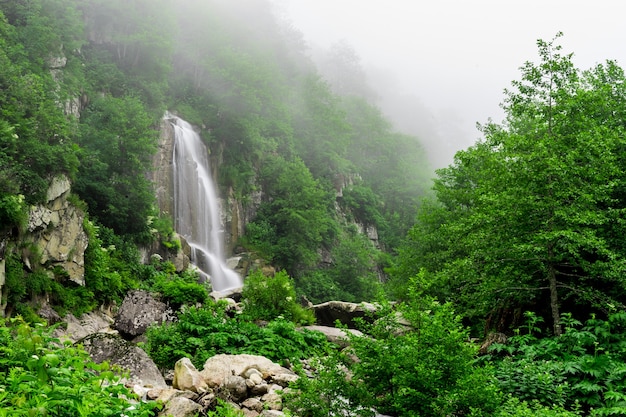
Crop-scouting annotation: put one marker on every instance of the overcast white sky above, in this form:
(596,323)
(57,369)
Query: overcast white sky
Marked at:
(457,56)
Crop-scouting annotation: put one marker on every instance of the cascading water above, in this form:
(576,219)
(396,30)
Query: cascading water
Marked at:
(196,208)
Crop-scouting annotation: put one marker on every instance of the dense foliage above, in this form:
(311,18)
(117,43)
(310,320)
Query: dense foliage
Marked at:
(202,332)
(39,376)
(531,217)
(583,369)
(266,298)
(87,83)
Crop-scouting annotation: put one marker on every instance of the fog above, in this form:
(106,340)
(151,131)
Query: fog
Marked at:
(440,67)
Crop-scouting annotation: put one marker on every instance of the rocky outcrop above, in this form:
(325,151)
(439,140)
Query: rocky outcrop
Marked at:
(55,236)
(138,311)
(162,169)
(76,329)
(117,351)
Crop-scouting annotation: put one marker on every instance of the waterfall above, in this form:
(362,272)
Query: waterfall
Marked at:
(196,208)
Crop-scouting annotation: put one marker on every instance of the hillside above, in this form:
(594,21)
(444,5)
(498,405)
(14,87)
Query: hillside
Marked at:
(87,83)
(498,286)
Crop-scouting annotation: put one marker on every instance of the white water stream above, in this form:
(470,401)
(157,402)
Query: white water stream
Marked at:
(196,207)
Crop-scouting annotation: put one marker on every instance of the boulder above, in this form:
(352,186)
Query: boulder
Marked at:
(89,323)
(181,407)
(334,335)
(229,294)
(117,351)
(187,377)
(236,387)
(329,312)
(253,404)
(219,367)
(138,311)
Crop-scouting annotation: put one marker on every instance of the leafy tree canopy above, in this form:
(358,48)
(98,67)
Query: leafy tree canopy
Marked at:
(529,215)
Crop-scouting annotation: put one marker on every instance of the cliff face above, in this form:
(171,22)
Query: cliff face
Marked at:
(54,238)
(55,231)
(234,214)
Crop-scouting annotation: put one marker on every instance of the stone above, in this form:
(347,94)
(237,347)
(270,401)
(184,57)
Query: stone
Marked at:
(256,379)
(180,407)
(117,351)
(260,389)
(163,395)
(89,323)
(284,379)
(236,386)
(253,404)
(251,371)
(272,401)
(249,413)
(187,377)
(329,312)
(334,335)
(272,413)
(217,368)
(231,293)
(138,311)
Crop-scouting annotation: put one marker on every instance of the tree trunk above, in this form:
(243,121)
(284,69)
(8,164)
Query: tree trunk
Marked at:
(554,301)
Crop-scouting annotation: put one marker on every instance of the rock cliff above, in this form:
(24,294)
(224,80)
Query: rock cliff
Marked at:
(54,235)
(53,238)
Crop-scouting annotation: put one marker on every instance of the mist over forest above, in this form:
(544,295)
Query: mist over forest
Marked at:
(481,281)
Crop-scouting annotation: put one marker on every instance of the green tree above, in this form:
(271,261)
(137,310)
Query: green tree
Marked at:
(530,213)
(294,217)
(119,138)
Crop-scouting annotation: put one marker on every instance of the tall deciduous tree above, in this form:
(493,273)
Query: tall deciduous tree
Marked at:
(534,208)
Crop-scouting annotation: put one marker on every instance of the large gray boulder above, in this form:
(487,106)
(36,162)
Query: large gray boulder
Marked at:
(138,311)
(117,351)
(329,312)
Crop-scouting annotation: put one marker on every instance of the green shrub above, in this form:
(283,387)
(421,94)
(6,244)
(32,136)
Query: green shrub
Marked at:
(40,376)
(583,366)
(429,371)
(179,290)
(329,392)
(513,407)
(202,332)
(13,210)
(266,298)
